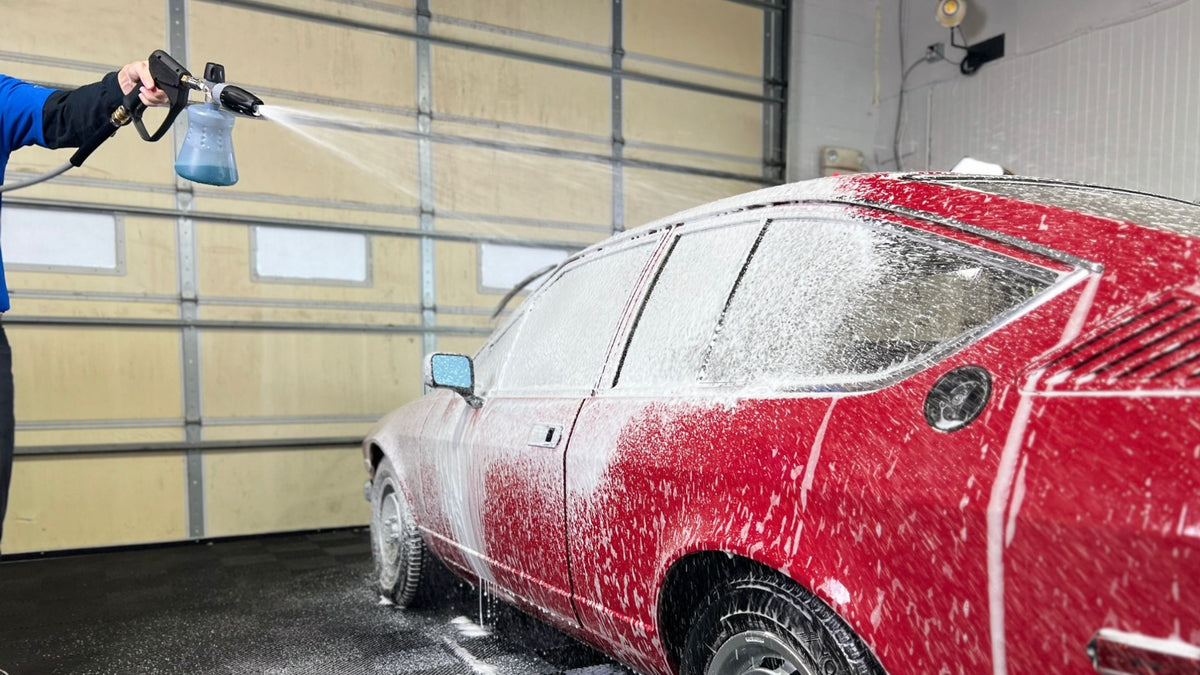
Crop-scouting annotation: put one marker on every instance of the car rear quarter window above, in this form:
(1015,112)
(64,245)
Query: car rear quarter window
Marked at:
(682,311)
(843,302)
(564,337)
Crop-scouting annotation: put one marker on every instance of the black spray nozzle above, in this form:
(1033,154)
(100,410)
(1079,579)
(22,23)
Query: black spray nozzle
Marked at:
(214,73)
(237,99)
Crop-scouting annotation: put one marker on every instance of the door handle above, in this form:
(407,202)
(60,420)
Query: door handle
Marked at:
(545,435)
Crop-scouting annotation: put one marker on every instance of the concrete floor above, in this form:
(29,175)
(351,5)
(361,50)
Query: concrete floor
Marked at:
(280,604)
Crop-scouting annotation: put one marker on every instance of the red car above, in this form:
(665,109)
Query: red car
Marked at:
(880,423)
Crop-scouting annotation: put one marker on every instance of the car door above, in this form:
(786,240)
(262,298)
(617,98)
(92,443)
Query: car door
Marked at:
(502,482)
(632,466)
(451,506)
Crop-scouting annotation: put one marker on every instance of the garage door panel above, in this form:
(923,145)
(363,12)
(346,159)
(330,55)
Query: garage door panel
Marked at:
(687,119)
(650,195)
(714,33)
(139,432)
(246,429)
(53,28)
(641,64)
(478,180)
(124,158)
(695,159)
(315,58)
(389,13)
(273,208)
(461,293)
(574,238)
(148,249)
(501,38)
(543,138)
(93,309)
(286,373)
(67,373)
(227,310)
(482,86)
(584,21)
(281,490)
(225,270)
(82,501)
(460,345)
(119,195)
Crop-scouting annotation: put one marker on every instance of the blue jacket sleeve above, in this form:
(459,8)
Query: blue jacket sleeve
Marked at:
(21,106)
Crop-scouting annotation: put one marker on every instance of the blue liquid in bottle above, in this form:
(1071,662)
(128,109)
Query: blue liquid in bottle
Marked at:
(206,155)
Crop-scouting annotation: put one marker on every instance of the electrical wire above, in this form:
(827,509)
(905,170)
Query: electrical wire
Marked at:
(900,98)
(900,113)
(36,179)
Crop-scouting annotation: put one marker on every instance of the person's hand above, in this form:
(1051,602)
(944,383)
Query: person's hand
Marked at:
(136,73)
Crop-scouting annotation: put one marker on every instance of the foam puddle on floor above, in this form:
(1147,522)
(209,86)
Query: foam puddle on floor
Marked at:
(477,666)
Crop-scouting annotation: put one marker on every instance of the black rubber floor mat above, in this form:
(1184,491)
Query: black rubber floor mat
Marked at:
(277,605)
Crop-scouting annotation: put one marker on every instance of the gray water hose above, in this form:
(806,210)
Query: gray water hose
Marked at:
(36,179)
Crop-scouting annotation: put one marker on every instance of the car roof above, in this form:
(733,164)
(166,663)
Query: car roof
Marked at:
(968,200)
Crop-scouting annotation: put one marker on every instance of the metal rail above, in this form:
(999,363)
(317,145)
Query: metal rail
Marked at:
(184,446)
(211,324)
(275,221)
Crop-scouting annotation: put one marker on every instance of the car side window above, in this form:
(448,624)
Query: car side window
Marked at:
(683,307)
(844,301)
(569,325)
(491,356)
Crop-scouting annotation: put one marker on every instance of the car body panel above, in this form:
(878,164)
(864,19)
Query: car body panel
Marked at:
(526,554)
(1003,546)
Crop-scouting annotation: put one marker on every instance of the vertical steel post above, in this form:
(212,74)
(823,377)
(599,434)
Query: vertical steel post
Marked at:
(425,177)
(776,24)
(618,131)
(185,235)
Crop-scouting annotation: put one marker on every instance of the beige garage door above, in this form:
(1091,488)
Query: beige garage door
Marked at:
(199,362)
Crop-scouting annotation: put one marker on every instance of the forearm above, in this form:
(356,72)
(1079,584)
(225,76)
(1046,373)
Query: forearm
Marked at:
(71,117)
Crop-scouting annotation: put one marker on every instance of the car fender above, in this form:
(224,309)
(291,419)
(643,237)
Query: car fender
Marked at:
(397,435)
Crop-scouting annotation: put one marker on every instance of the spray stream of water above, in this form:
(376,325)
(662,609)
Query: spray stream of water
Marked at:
(525,186)
(361,151)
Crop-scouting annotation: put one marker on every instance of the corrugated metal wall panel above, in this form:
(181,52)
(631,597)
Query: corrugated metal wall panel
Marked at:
(1119,106)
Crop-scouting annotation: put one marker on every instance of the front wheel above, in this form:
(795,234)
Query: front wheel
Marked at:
(396,545)
(764,625)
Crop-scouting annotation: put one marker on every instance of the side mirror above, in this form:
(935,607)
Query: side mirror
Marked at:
(454,372)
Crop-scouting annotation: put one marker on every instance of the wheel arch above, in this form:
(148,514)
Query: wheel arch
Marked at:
(681,592)
(375,450)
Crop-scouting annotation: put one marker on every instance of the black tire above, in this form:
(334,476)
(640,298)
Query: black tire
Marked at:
(400,555)
(763,623)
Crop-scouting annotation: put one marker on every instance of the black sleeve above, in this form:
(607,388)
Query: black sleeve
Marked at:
(70,118)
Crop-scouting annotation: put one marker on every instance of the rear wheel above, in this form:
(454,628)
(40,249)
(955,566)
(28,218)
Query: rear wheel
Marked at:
(766,625)
(400,554)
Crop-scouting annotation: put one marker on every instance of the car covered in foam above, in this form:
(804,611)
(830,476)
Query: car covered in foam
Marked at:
(880,423)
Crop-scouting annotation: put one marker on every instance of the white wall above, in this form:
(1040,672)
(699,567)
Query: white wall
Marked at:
(831,80)
(1104,91)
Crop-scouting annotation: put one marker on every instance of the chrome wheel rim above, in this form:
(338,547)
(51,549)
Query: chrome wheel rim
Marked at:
(758,653)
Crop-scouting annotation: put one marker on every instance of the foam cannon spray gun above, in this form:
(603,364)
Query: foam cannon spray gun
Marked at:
(206,155)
